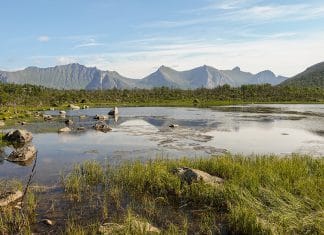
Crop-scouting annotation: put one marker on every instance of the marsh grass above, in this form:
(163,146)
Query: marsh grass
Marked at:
(15,220)
(261,194)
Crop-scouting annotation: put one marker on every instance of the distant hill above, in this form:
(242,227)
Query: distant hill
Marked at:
(76,76)
(311,77)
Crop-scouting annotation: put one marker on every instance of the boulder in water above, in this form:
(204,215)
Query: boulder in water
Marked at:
(18,136)
(22,154)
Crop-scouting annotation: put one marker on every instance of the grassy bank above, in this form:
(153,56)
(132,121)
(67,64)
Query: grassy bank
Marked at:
(261,195)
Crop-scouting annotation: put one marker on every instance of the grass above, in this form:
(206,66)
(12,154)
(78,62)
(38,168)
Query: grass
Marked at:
(261,194)
(15,220)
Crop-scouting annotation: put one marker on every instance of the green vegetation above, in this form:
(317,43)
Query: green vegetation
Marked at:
(18,219)
(311,77)
(261,195)
(18,101)
(16,96)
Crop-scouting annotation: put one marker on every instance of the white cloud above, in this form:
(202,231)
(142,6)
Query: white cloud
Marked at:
(62,60)
(90,42)
(43,38)
(283,54)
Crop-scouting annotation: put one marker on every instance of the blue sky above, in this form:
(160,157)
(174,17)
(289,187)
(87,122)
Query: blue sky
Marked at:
(135,37)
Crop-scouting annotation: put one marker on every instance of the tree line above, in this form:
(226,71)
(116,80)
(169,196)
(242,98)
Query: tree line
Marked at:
(31,95)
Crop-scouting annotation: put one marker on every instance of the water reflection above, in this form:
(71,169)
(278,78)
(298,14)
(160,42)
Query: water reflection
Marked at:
(143,133)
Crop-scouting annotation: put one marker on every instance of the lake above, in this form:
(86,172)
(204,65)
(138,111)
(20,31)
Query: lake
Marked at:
(143,133)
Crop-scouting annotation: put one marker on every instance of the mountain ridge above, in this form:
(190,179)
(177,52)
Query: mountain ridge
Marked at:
(77,76)
(313,76)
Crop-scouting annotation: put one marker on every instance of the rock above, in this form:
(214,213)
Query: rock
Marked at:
(23,123)
(18,207)
(137,225)
(145,227)
(102,127)
(47,222)
(111,228)
(65,129)
(81,128)
(2,124)
(22,154)
(113,112)
(19,136)
(9,197)
(82,116)
(47,117)
(85,107)
(193,175)
(173,125)
(74,107)
(62,112)
(101,117)
(52,109)
(68,122)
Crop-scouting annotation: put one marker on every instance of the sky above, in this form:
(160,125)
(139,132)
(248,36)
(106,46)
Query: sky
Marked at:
(135,37)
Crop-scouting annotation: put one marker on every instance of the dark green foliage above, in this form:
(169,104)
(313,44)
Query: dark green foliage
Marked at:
(36,96)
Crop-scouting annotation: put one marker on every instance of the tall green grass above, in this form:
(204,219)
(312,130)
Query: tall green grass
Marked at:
(261,194)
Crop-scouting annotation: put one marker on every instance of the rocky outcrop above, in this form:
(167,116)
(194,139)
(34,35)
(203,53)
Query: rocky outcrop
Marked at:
(190,176)
(8,197)
(18,136)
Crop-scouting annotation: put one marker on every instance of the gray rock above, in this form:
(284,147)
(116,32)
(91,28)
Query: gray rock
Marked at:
(114,111)
(18,136)
(47,222)
(173,125)
(136,224)
(65,129)
(9,197)
(47,117)
(22,154)
(62,112)
(74,107)
(190,175)
(102,127)
(68,122)
(81,128)
(101,117)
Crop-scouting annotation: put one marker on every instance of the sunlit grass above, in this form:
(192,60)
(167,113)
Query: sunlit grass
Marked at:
(261,194)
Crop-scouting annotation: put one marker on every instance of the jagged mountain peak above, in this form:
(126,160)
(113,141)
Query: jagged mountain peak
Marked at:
(78,76)
(236,69)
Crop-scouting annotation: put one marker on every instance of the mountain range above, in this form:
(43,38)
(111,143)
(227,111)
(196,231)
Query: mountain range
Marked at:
(76,76)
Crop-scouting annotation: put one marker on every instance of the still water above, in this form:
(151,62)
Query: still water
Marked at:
(143,133)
